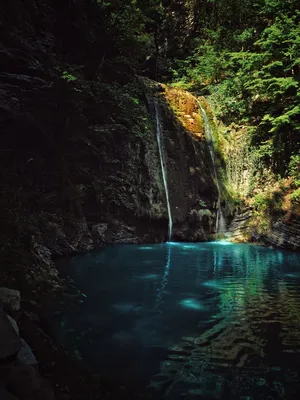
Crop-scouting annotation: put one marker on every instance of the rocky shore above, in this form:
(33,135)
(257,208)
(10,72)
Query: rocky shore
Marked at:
(20,374)
(33,366)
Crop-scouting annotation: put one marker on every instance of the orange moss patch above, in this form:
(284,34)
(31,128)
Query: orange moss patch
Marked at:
(186,108)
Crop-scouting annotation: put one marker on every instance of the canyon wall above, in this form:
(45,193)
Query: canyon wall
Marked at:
(79,158)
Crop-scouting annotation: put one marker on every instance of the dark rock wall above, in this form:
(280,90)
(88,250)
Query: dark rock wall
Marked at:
(79,159)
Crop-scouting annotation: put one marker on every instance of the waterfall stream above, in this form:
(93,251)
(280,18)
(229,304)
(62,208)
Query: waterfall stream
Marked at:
(159,136)
(221,221)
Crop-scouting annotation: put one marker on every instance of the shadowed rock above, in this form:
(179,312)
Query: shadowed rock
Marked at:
(24,381)
(10,299)
(10,342)
(13,324)
(25,355)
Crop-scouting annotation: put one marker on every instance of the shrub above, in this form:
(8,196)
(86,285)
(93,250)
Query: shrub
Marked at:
(295,197)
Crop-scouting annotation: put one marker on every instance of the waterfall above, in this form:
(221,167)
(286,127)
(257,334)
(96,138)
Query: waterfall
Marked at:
(159,136)
(221,221)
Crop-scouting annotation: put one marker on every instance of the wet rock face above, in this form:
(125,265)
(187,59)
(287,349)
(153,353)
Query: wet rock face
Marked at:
(193,193)
(239,229)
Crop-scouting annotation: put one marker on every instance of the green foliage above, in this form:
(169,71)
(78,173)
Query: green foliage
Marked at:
(67,76)
(294,169)
(136,101)
(130,26)
(263,152)
(202,204)
(261,201)
(268,201)
(295,197)
(243,55)
(251,70)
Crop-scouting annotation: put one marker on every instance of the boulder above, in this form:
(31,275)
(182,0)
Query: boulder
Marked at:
(25,355)
(13,324)
(10,342)
(10,299)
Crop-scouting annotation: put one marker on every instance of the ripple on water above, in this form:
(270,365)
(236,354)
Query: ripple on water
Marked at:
(191,304)
(211,320)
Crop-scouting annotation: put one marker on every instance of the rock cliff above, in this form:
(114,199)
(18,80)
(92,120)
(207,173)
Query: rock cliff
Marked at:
(264,213)
(79,157)
(280,233)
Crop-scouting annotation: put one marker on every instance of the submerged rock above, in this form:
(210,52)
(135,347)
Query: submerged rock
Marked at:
(10,342)
(10,299)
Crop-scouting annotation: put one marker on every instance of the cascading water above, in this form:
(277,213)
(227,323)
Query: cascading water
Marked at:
(159,136)
(221,221)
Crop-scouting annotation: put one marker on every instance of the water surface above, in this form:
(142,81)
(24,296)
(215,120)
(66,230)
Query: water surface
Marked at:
(190,321)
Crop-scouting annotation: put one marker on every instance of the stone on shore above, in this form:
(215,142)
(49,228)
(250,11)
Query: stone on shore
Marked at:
(13,324)
(10,342)
(25,355)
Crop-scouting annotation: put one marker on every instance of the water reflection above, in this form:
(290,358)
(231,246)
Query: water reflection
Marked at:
(192,304)
(214,320)
(162,289)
